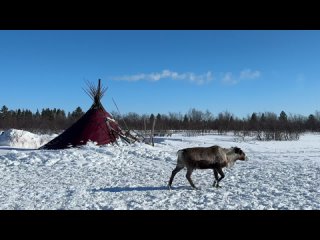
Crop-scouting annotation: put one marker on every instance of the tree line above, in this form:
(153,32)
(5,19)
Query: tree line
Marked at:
(265,126)
(44,121)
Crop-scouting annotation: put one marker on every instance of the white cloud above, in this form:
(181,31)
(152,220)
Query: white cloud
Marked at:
(157,76)
(249,74)
(226,78)
(229,79)
(246,74)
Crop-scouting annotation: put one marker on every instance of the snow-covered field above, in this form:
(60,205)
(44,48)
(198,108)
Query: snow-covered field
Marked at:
(278,175)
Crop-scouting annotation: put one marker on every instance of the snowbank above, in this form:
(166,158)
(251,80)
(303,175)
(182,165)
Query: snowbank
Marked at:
(23,139)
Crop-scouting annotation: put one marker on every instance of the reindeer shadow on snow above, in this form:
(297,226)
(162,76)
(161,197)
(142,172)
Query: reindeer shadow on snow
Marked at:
(214,157)
(128,189)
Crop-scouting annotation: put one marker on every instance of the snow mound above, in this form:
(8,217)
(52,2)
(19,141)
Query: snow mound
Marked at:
(23,139)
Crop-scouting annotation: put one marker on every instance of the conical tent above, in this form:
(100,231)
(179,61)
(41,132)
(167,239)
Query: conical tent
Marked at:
(96,125)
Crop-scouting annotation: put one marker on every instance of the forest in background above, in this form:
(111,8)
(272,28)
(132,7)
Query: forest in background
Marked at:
(265,126)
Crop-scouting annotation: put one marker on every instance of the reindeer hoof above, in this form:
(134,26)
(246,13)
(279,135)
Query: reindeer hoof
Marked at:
(169,187)
(218,186)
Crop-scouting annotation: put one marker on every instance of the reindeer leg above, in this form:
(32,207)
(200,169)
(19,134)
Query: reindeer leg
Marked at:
(216,176)
(188,176)
(174,172)
(221,176)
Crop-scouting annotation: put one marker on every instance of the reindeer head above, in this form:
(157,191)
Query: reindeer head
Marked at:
(242,155)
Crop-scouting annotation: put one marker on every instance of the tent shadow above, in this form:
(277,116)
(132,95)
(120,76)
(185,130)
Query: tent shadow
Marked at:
(139,189)
(18,149)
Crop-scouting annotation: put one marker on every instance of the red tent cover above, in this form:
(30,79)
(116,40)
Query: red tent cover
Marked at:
(96,125)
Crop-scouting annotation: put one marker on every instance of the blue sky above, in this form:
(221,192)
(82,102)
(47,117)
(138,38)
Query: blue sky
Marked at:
(163,71)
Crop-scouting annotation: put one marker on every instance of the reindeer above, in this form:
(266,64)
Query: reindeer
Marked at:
(213,157)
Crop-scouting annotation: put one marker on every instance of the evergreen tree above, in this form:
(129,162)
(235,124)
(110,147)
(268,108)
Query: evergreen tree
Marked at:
(4,110)
(151,118)
(311,123)
(283,117)
(76,114)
